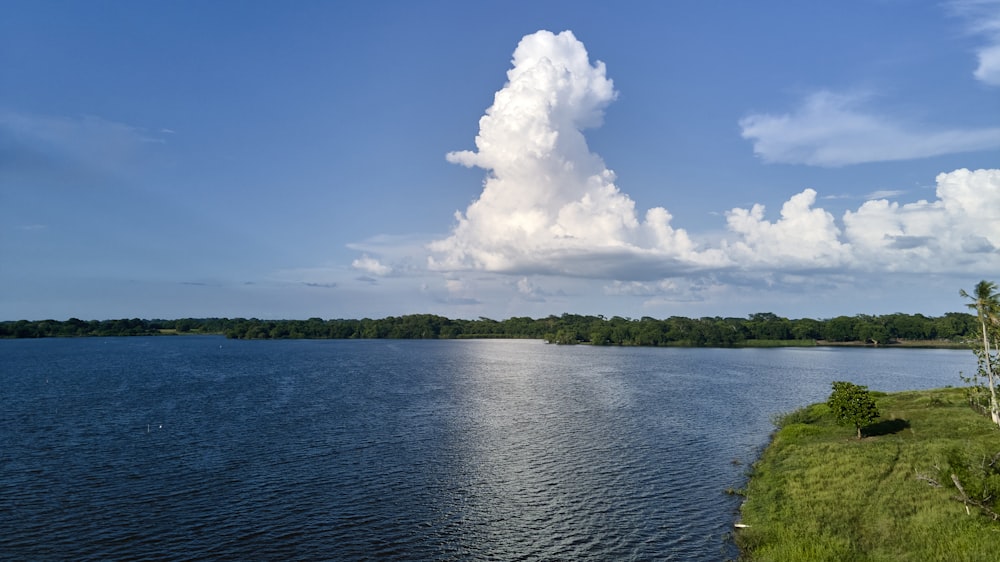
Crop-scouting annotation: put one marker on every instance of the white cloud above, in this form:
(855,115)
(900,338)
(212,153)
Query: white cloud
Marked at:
(548,204)
(983,19)
(550,207)
(391,255)
(371,265)
(804,237)
(831,129)
(956,233)
(960,230)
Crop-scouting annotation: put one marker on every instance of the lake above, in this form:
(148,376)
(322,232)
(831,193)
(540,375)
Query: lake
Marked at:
(205,448)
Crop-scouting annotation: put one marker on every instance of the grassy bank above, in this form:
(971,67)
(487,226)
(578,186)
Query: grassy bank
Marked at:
(817,493)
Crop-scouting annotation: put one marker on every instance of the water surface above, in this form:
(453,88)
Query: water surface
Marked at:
(201,447)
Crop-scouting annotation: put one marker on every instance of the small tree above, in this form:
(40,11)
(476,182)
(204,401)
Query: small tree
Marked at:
(986,303)
(853,405)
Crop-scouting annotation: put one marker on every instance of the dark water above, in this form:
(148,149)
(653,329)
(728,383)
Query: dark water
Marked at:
(206,448)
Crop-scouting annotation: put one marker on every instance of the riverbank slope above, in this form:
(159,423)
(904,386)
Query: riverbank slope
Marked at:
(817,493)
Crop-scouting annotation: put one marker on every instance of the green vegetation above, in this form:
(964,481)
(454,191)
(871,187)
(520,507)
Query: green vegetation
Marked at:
(817,493)
(986,303)
(852,404)
(757,330)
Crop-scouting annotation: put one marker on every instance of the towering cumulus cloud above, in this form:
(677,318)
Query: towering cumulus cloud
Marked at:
(548,204)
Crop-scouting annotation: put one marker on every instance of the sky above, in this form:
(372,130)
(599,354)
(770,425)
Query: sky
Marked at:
(282,160)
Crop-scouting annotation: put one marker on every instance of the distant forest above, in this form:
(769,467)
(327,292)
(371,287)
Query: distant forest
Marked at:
(759,329)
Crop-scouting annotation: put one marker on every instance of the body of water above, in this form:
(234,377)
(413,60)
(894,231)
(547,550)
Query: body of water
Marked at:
(207,448)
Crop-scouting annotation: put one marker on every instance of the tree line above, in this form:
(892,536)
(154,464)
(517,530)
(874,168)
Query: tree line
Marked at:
(763,328)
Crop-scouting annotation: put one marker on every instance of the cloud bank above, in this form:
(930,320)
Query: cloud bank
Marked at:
(959,231)
(549,206)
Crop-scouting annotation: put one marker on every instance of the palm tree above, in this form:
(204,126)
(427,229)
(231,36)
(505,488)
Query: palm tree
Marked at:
(986,303)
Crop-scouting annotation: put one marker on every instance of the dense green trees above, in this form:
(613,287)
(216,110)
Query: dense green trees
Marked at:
(75,327)
(710,331)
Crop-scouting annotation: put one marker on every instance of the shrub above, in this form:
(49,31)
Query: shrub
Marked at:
(853,405)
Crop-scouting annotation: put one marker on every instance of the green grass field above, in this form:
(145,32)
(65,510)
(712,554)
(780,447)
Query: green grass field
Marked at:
(818,493)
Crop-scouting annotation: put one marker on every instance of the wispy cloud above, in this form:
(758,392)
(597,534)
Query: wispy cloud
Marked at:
(320,285)
(319,277)
(530,291)
(47,146)
(831,129)
(456,292)
(391,255)
(884,193)
(982,19)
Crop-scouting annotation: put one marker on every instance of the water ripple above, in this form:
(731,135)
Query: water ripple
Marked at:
(176,448)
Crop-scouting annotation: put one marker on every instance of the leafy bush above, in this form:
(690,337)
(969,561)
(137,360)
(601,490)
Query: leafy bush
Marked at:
(853,405)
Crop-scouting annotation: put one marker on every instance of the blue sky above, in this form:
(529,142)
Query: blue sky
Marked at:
(347,160)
